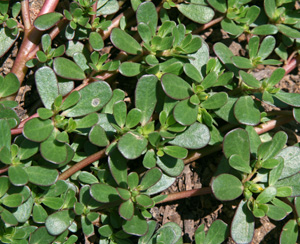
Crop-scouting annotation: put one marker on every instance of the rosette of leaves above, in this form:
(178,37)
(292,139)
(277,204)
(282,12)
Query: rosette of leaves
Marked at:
(9,30)
(45,56)
(259,172)
(128,194)
(51,128)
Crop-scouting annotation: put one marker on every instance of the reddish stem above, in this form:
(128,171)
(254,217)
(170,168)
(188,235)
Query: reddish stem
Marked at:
(80,165)
(186,194)
(4,169)
(291,65)
(48,7)
(208,25)
(26,14)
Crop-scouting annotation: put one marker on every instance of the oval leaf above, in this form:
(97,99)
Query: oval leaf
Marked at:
(46,21)
(67,69)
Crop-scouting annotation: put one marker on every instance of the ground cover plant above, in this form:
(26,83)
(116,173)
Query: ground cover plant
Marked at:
(129,92)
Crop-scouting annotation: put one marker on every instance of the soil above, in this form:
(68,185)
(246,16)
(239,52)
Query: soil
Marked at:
(192,212)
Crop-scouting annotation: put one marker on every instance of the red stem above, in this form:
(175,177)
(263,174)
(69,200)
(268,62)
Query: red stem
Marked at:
(26,14)
(208,25)
(80,165)
(4,169)
(186,194)
(48,7)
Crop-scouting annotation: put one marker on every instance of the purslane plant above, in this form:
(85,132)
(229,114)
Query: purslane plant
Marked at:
(93,159)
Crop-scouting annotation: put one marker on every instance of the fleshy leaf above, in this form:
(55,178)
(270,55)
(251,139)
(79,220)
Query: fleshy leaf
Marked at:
(196,12)
(132,145)
(104,193)
(41,176)
(46,21)
(58,222)
(38,130)
(242,226)
(289,232)
(124,41)
(68,69)
(185,113)
(146,96)
(171,166)
(9,85)
(226,187)
(246,111)
(146,13)
(151,177)
(7,39)
(136,226)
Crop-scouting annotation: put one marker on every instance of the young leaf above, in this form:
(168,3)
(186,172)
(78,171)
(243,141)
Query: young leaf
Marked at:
(151,177)
(267,195)
(120,113)
(98,137)
(126,210)
(133,118)
(146,96)
(226,187)
(242,226)
(266,47)
(125,42)
(249,79)
(46,21)
(266,29)
(132,145)
(96,41)
(237,162)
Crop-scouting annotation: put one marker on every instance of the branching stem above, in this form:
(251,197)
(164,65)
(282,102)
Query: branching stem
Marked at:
(26,14)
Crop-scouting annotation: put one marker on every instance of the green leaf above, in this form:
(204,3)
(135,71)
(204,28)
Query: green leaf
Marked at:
(267,195)
(145,33)
(195,136)
(46,83)
(9,85)
(46,21)
(118,95)
(7,39)
(118,167)
(132,145)
(246,111)
(266,47)
(146,96)
(58,222)
(123,193)
(242,226)
(266,29)
(284,191)
(17,175)
(219,5)
(191,71)
(41,176)
(41,236)
(270,163)
(144,201)
(5,138)
(87,178)
(176,151)
(105,230)
(209,80)
(136,226)
(195,12)
(146,13)
(130,69)
(90,101)
(270,8)
(175,87)
(171,166)
(292,99)
(237,162)
(151,177)
(185,113)
(217,233)
(38,130)
(53,202)
(110,7)
(276,77)
(125,42)
(68,69)
(291,159)
(126,210)
(288,31)
(104,193)
(237,142)
(44,113)
(133,180)
(275,212)
(227,187)
(53,150)
(289,232)
(87,121)
(229,26)
(149,160)
(4,185)
(8,218)
(71,100)
(120,113)
(96,41)
(242,63)
(12,201)
(86,225)
(215,101)
(98,137)
(133,118)
(249,79)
